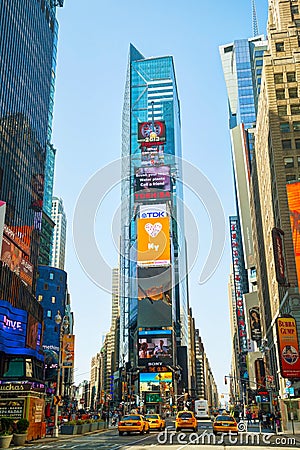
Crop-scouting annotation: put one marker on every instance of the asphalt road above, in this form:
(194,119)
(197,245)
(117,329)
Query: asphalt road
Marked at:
(204,439)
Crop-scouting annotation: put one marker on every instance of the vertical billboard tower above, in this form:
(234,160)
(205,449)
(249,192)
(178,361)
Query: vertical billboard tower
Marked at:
(153,281)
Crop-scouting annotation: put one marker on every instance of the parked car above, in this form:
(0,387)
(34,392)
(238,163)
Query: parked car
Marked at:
(133,423)
(156,422)
(186,420)
(224,424)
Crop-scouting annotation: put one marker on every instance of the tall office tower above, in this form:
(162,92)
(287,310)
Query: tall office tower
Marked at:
(276,191)
(27,39)
(59,236)
(242,62)
(153,281)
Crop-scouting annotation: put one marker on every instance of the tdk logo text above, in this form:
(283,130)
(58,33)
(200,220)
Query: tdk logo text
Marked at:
(154,215)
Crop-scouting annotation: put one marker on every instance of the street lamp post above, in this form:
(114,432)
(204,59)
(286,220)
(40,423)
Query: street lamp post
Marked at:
(63,329)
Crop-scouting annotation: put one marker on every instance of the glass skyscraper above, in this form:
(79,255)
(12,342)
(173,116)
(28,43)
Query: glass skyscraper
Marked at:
(151,188)
(28,38)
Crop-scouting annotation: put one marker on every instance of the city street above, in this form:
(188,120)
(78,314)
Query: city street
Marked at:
(110,440)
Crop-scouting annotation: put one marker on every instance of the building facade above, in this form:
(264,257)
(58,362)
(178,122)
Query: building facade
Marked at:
(276,193)
(152,194)
(59,235)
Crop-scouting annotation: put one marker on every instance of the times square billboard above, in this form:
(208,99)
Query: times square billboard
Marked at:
(154,297)
(152,178)
(155,346)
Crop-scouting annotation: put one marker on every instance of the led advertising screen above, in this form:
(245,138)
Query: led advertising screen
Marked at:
(155,381)
(155,297)
(14,258)
(150,133)
(288,347)
(153,241)
(293,194)
(155,345)
(149,178)
(152,156)
(13,332)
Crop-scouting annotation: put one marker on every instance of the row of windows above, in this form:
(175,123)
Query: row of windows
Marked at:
(287,144)
(286,127)
(290,77)
(283,110)
(40,298)
(281,94)
(289,162)
(46,287)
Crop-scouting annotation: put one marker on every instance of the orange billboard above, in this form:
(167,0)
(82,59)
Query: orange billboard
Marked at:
(288,347)
(67,355)
(293,194)
(153,241)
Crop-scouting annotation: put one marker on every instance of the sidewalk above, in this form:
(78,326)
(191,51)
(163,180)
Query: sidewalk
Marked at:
(61,437)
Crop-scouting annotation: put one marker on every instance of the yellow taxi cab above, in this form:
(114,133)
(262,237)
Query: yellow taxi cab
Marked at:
(133,423)
(156,422)
(224,424)
(186,420)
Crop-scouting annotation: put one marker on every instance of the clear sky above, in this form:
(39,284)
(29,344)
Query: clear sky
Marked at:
(94,38)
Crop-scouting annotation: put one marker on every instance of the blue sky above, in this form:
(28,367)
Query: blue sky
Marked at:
(94,40)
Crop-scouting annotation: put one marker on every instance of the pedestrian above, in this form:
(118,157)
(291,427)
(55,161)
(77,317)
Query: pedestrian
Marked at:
(253,417)
(278,421)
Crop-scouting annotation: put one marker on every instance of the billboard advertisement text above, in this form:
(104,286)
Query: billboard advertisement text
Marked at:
(149,178)
(288,347)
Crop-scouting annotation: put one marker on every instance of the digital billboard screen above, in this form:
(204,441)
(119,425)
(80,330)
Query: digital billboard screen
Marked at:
(151,132)
(153,241)
(13,332)
(152,156)
(155,345)
(155,297)
(155,381)
(149,178)
(13,256)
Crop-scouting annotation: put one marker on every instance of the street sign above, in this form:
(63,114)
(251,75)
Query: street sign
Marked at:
(288,383)
(290,391)
(56,399)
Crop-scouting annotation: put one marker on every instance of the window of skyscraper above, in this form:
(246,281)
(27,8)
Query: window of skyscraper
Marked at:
(286,144)
(46,287)
(285,127)
(296,126)
(280,95)
(298,159)
(288,162)
(51,276)
(278,78)
(294,9)
(279,46)
(282,110)
(297,144)
(291,177)
(290,77)
(293,92)
(295,109)
(53,299)
(40,298)
(49,313)
(297,23)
